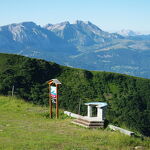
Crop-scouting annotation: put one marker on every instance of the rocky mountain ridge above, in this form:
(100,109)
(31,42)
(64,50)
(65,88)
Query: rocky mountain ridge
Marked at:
(80,44)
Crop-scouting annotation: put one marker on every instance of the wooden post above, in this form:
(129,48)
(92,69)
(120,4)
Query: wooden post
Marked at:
(12,92)
(57,110)
(79,106)
(50,102)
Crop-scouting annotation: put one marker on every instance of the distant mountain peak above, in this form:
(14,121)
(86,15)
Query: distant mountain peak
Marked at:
(83,22)
(81,33)
(127,32)
(19,27)
(25,24)
(80,22)
(16,27)
(87,24)
(48,25)
(28,23)
(27,36)
(58,26)
(65,23)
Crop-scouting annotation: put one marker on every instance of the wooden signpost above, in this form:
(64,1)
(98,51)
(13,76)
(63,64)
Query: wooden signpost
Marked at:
(53,95)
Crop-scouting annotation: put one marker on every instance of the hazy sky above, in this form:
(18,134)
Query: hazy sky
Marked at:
(109,15)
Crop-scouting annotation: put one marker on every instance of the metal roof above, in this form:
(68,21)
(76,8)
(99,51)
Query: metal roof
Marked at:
(98,104)
(55,81)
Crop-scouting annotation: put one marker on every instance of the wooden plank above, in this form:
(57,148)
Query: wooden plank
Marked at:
(86,126)
(115,128)
(89,123)
(80,124)
(72,114)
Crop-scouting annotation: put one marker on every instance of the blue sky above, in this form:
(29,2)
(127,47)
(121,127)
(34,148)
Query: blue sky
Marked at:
(109,15)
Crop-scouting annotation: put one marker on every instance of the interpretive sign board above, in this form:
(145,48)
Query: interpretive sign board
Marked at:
(53,95)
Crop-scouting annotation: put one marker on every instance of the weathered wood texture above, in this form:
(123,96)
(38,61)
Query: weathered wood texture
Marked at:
(115,128)
(72,114)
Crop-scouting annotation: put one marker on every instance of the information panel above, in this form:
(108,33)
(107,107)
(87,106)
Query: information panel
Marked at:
(53,92)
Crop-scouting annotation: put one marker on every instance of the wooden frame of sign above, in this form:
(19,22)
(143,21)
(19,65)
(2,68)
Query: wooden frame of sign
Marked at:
(56,83)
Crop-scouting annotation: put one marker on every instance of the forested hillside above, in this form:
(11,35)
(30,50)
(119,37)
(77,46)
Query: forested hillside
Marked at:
(128,97)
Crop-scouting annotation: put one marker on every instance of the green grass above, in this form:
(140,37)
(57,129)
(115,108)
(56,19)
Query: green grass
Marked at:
(25,126)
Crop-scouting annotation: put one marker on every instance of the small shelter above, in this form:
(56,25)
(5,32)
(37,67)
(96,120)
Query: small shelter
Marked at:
(90,121)
(101,110)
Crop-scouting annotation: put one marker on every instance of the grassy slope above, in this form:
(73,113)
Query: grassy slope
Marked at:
(25,126)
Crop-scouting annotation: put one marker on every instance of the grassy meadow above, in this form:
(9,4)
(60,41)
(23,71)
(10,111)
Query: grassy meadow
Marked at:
(25,126)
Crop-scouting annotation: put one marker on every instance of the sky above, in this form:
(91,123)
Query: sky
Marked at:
(109,15)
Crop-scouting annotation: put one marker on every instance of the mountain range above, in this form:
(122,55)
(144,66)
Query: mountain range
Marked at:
(81,45)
